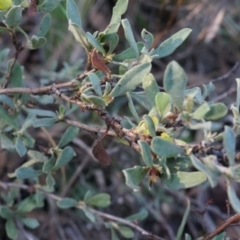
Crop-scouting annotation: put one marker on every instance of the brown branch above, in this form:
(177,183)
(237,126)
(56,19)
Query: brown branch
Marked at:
(81,206)
(232,220)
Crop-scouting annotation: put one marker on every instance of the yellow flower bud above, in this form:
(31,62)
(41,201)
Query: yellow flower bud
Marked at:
(5,4)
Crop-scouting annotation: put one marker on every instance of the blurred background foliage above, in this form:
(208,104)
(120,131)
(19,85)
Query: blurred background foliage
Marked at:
(210,52)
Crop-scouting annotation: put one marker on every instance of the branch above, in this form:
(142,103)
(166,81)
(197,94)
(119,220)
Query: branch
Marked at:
(81,207)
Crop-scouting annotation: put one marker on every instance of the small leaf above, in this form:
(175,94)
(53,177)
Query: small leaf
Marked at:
(179,164)
(50,181)
(112,40)
(150,88)
(67,203)
(147,38)
(6,212)
(6,143)
(100,154)
(27,172)
(14,17)
(129,36)
(38,156)
(201,111)
(118,10)
(165,149)
(65,156)
(183,180)
(11,120)
(89,214)
(233,199)
(73,14)
(128,53)
(131,79)
(175,81)
(40,113)
(170,45)
(44,25)
(94,42)
(68,136)
(30,222)
(229,143)
(97,101)
(217,110)
(134,176)
(95,81)
(20,147)
(150,125)
(163,103)
(100,200)
(87,196)
(114,235)
(49,164)
(126,232)
(44,122)
(132,107)
(11,229)
(27,205)
(212,178)
(37,42)
(7,100)
(28,122)
(138,216)
(49,5)
(99,63)
(146,153)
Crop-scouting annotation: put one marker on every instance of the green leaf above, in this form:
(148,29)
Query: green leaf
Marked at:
(87,196)
(184,221)
(126,231)
(129,36)
(150,125)
(80,36)
(112,40)
(28,122)
(27,172)
(179,164)
(132,107)
(212,178)
(89,214)
(30,222)
(229,143)
(94,42)
(95,81)
(20,147)
(6,212)
(49,5)
(6,143)
(98,101)
(147,38)
(138,216)
(11,120)
(128,53)
(38,156)
(44,25)
(44,122)
(165,149)
(114,235)
(14,17)
(175,81)
(131,79)
(67,203)
(73,14)
(163,103)
(201,111)
(17,74)
(49,164)
(65,156)
(40,113)
(183,180)
(27,205)
(100,200)
(150,88)
(134,176)
(68,136)
(217,110)
(11,229)
(50,181)
(170,45)
(233,198)
(118,10)
(7,100)
(36,42)
(195,93)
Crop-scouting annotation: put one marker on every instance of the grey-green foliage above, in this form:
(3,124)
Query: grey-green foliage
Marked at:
(164,156)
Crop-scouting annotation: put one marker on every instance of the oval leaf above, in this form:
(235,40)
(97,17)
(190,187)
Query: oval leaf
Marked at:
(67,203)
(146,153)
(68,136)
(229,143)
(217,110)
(100,200)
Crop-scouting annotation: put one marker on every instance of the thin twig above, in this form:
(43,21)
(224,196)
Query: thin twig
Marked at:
(82,206)
(232,220)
